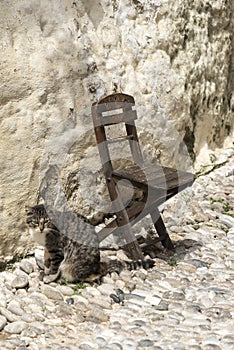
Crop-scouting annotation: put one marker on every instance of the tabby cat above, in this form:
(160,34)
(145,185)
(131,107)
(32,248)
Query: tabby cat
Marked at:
(69,257)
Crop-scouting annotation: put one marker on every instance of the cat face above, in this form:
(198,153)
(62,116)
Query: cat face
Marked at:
(37,218)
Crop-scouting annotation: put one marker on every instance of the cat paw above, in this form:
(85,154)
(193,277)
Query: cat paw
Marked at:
(41,275)
(50,278)
(46,270)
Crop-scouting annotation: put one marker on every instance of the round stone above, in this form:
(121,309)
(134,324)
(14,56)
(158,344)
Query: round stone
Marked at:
(162,306)
(101,342)
(27,318)
(65,309)
(3,300)
(86,346)
(65,290)
(103,303)
(115,346)
(8,315)
(174,295)
(146,343)
(51,292)
(15,327)
(106,289)
(96,315)
(20,282)
(197,263)
(26,266)
(70,301)
(3,322)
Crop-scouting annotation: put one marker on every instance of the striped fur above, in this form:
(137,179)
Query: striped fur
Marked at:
(67,257)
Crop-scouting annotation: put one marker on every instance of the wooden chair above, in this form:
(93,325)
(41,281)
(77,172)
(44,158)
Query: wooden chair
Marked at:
(156,182)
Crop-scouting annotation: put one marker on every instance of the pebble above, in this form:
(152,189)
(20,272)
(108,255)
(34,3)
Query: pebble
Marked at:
(20,282)
(28,318)
(186,297)
(3,322)
(101,301)
(51,292)
(15,327)
(196,262)
(96,314)
(153,300)
(26,266)
(106,289)
(70,301)
(8,315)
(65,290)
(227,220)
(174,295)
(146,343)
(3,301)
(15,308)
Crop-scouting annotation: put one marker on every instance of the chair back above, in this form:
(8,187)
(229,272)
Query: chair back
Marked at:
(111,110)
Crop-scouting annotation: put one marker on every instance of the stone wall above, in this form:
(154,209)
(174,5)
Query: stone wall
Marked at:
(59,56)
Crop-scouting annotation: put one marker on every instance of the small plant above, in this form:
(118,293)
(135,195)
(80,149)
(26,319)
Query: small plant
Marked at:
(196,226)
(172,262)
(228,265)
(226,207)
(10,264)
(63,282)
(214,200)
(224,228)
(43,308)
(78,287)
(224,256)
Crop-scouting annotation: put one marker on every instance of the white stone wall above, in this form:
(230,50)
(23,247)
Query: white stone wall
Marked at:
(59,56)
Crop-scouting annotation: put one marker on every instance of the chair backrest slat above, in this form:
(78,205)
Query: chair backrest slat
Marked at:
(110,110)
(120,139)
(111,105)
(123,117)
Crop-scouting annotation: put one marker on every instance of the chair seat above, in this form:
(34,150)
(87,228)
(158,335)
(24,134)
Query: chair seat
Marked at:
(156,177)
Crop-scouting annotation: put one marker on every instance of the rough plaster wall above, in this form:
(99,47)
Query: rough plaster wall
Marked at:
(205,52)
(59,56)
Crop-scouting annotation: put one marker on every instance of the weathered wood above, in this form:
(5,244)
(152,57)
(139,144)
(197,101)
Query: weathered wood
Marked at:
(157,176)
(134,143)
(116,101)
(134,250)
(158,183)
(120,139)
(124,117)
(161,229)
(136,212)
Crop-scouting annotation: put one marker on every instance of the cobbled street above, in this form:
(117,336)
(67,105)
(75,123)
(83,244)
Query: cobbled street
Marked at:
(186,301)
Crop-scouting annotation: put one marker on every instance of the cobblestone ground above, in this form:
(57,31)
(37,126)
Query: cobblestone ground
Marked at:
(186,301)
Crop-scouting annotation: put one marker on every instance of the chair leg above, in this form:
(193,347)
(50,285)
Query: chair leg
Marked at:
(133,251)
(131,245)
(161,229)
(124,229)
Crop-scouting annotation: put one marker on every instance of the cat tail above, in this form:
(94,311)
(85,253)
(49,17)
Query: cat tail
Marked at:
(118,266)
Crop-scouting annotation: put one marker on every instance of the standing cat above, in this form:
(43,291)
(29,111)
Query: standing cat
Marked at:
(69,257)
